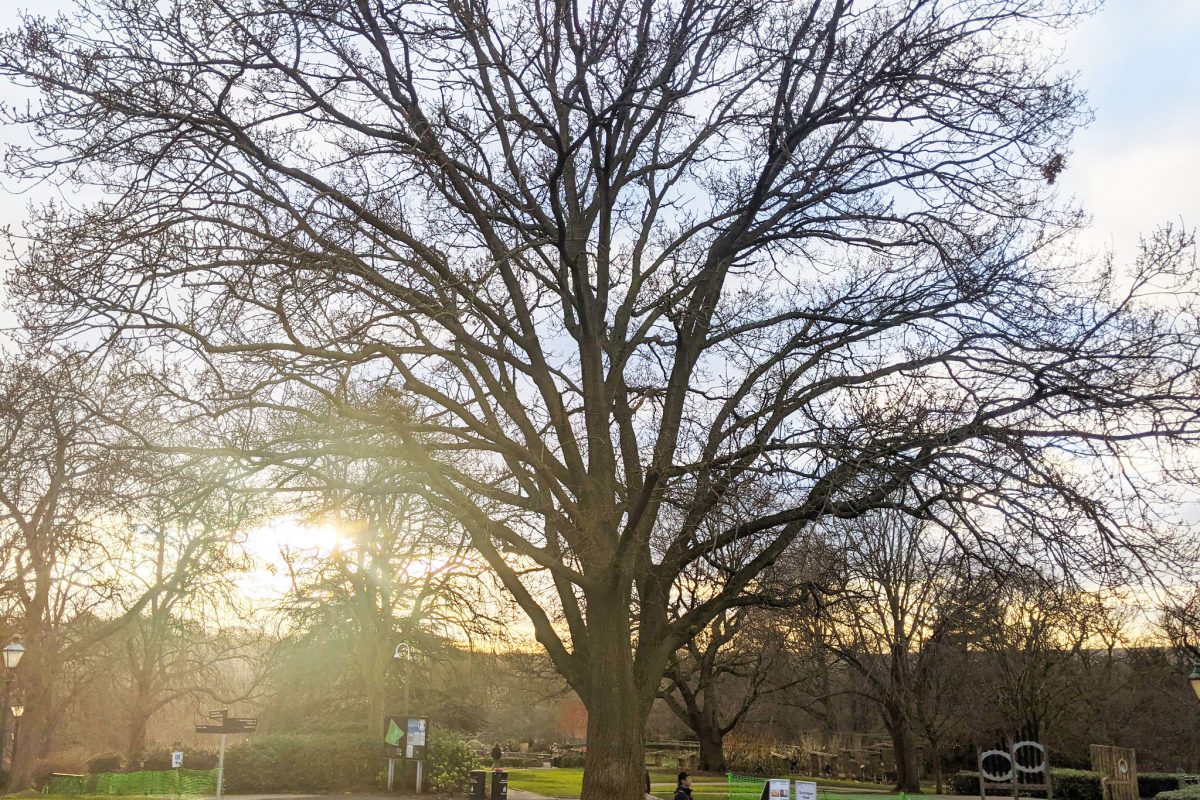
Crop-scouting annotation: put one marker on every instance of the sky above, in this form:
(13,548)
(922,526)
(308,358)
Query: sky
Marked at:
(1138,165)
(1135,167)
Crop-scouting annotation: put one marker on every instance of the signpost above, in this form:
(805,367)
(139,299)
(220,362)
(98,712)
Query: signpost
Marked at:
(176,760)
(407,738)
(227,726)
(806,790)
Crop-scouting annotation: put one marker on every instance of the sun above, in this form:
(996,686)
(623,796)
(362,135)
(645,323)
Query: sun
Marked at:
(268,541)
(269,579)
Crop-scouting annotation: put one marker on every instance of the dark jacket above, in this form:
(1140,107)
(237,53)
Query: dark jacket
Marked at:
(683,793)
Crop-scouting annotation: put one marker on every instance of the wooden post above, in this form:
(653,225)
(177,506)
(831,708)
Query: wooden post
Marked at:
(221,768)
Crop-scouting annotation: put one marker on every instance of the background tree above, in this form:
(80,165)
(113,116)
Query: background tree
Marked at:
(182,643)
(71,479)
(1035,635)
(398,574)
(716,678)
(909,593)
(607,266)
(735,648)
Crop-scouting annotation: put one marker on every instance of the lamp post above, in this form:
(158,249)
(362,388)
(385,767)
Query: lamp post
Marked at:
(13,652)
(404,652)
(17,711)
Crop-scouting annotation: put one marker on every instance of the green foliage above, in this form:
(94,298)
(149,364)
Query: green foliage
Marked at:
(519,761)
(1185,793)
(1077,784)
(104,762)
(449,760)
(159,757)
(1069,784)
(965,783)
(1151,784)
(568,760)
(317,764)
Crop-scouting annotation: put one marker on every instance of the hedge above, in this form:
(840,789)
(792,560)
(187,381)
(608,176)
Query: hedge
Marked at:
(1186,793)
(105,762)
(159,757)
(1077,784)
(571,759)
(292,763)
(1069,784)
(336,764)
(1151,784)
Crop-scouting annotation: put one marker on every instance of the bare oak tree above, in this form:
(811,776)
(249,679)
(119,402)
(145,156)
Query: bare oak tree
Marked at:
(607,268)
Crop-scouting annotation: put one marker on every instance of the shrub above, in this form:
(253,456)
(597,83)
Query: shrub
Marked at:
(105,762)
(519,761)
(965,783)
(1069,784)
(449,760)
(43,768)
(316,764)
(1151,784)
(159,757)
(571,759)
(1077,784)
(1186,793)
(751,755)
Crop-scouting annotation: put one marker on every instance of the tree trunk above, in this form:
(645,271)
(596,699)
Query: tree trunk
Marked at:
(617,705)
(712,748)
(37,677)
(136,741)
(935,755)
(377,706)
(908,771)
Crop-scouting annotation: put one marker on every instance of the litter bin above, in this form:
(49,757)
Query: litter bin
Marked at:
(499,785)
(477,785)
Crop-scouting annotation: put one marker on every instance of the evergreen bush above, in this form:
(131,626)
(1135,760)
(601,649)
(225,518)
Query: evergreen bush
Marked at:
(1069,784)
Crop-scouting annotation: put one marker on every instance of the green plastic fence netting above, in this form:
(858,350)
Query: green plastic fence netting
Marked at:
(65,784)
(171,782)
(745,787)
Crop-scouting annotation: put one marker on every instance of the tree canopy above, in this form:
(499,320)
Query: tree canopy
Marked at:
(630,286)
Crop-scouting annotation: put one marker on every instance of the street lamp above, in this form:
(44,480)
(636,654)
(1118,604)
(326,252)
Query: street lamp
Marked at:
(13,652)
(1194,678)
(404,652)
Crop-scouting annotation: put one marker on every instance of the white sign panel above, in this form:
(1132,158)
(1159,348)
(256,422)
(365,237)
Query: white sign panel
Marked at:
(778,789)
(806,790)
(176,760)
(415,739)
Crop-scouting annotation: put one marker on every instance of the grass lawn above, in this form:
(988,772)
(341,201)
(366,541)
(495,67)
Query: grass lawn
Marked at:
(29,793)
(568,782)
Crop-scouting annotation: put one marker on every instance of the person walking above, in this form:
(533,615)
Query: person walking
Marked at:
(683,788)
(497,754)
